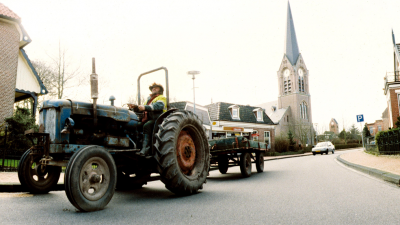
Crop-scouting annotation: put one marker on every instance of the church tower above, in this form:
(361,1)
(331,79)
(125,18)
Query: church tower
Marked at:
(294,92)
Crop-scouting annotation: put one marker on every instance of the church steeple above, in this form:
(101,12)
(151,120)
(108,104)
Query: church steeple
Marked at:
(291,47)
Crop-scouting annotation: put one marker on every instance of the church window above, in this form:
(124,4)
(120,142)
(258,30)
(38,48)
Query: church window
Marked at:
(287,119)
(301,84)
(303,111)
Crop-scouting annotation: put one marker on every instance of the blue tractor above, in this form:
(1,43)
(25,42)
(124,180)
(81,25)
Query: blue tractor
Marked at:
(96,144)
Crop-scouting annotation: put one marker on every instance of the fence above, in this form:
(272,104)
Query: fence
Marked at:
(389,142)
(9,159)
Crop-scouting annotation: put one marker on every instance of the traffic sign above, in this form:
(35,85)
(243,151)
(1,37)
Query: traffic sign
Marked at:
(360,118)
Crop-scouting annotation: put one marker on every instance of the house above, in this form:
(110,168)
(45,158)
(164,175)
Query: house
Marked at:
(392,88)
(228,119)
(375,127)
(19,80)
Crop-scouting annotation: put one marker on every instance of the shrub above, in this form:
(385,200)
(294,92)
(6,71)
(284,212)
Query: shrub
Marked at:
(17,125)
(344,146)
(281,144)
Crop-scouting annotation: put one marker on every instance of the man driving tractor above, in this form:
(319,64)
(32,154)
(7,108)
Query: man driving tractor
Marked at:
(155,105)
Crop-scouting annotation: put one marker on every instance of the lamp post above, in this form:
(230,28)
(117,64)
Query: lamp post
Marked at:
(193,73)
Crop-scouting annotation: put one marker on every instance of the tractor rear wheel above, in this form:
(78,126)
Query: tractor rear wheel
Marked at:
(90,178)
(182,152)
(39,179)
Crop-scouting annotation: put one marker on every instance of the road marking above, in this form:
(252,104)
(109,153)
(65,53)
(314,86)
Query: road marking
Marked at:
(15,195)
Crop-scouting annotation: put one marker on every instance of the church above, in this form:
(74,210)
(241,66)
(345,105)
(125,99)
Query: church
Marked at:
(292,111)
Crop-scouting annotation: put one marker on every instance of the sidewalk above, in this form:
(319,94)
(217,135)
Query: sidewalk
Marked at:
(383,167)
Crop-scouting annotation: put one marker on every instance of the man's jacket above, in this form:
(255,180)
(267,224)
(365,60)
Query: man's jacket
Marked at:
(156,107)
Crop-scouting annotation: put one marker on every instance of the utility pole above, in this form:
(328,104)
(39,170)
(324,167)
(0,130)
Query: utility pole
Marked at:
(193,73)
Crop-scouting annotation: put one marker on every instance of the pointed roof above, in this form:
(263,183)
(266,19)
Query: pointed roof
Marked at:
(393,39)
(291,47)
(6,12)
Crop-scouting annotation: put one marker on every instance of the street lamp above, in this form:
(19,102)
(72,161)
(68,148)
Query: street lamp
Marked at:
(193,73)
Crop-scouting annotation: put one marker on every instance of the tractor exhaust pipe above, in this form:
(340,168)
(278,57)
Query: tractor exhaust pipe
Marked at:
(94,85)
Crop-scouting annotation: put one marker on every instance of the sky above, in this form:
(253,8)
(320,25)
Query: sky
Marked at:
(236,45)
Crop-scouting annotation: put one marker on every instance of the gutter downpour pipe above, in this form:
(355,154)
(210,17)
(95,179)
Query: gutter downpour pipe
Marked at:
(166,83)
(94,86)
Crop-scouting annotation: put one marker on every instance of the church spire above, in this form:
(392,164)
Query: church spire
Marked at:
(291,47)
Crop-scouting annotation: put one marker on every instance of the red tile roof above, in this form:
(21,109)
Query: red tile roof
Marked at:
(5,11)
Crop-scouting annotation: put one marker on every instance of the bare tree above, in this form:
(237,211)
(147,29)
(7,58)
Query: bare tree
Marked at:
(302,131)
(64,73)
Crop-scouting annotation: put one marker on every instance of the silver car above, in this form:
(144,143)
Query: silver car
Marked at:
(323,147)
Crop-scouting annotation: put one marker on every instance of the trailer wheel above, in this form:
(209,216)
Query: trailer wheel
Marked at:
(223,164)
(182,152)
(90,178)
(36,178)
(245,164)
(260,162)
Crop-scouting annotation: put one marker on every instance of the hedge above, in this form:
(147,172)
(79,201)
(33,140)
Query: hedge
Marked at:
(343,146)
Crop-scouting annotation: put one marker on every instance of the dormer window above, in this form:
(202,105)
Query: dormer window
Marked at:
(234,109)
(258,113)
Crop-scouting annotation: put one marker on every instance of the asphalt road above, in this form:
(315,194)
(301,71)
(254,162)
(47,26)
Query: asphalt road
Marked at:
(302,190)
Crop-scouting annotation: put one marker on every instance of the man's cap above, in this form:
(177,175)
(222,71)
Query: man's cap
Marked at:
(157,85)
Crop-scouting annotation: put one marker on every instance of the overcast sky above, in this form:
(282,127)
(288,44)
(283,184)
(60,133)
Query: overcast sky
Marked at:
(236,45)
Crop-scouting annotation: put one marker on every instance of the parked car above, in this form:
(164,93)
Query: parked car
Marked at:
(323,147)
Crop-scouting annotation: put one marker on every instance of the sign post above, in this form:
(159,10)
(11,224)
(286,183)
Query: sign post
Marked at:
(360,119)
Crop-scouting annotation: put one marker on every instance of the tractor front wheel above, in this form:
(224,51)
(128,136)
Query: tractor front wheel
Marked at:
(90,178)
(37,178)
(182,152)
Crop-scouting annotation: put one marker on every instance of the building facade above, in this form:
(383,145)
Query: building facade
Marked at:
(292,111)
(375,127)
(334,126)
(229,120)
(19,79)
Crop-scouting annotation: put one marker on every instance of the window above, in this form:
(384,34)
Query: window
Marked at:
(234,110)
(267,137)
(398,101)
(371,130)
(235,113)
(379,128)
(259,116)
(258,113)
(303,111)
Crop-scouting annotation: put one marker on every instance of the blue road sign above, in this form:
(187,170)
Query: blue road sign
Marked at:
(360,118)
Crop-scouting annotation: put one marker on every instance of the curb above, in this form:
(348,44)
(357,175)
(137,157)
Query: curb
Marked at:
(383,175)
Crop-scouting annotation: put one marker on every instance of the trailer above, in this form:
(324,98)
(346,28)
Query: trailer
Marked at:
(237,151)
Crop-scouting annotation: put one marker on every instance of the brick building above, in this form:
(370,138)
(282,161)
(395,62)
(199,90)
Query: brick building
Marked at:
(19,79)
(375,127)
(249,121)
(392,88)
(334,126)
